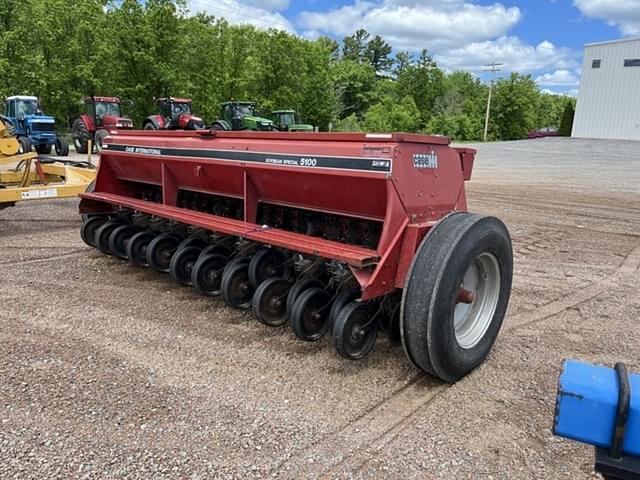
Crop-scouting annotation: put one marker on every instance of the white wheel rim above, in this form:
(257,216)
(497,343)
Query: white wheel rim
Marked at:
(471,320)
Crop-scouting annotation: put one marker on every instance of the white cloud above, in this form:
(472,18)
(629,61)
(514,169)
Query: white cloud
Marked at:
(624,14)
(459,33)
(268,4)
(417,24)
(559,78)
(253,12)
(569,93)
(512,52)
(311,34)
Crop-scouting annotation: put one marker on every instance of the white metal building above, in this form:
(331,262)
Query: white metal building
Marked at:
(609,96)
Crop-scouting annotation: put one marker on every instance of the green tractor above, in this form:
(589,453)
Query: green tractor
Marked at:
(238,115)
(285,121)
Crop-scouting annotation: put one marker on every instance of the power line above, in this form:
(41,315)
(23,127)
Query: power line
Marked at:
(493,68)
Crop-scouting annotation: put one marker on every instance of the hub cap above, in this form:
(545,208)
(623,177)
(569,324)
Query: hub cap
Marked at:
(471,320)
(213,276)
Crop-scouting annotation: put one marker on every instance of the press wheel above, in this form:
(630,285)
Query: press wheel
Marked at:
(236,289)
(89,227)
(103,232)
(310,316)
(206,276)
(343,298)
(119,239)
(270,301)
(265,264)
(182,263)
(355,331)
(298,287)
(160,251)
(137,248)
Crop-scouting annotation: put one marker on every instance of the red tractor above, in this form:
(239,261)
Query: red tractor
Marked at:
(102,115)
(173,114)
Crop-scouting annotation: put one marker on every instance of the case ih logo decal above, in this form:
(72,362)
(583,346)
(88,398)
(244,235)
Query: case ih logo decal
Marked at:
(300,161)
(425,160)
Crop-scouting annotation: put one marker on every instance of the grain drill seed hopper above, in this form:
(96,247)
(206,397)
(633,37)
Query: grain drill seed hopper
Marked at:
(352,234)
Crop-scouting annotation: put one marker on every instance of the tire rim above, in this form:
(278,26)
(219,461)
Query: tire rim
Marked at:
(272,304)
(163,254)
(212,278)
(188,267)
(139,250)
(360,334)
(314,321)
(471,320)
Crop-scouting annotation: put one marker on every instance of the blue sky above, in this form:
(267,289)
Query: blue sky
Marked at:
(543,38)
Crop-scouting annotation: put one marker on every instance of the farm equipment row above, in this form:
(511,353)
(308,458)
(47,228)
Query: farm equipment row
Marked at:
(103,116)
(352,234)
(237,115)
(23,176)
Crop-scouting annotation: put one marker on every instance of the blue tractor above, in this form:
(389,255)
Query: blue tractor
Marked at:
(31,126)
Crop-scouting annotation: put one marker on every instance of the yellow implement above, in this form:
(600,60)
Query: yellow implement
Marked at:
(25,177)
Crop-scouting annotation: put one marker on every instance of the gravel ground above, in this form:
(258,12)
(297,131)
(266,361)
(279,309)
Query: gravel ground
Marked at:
(111,371)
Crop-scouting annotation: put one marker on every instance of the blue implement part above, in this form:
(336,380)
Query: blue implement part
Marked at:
(587,407)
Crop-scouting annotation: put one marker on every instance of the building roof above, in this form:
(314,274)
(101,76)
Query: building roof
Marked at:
(22,97)
(611,42)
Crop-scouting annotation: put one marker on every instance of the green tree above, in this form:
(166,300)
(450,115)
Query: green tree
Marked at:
(353,84)
(319,103)
(457,127)
(549,110)
(392,116)
(354,46)
(566,124)
(348,124)
(200,35)
(138,49)
(514,106)
(459,110)
(401,62)
(377,53)
(331,45)
(424,82)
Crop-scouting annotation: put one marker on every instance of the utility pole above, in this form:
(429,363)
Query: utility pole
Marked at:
(493,68)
